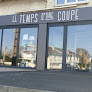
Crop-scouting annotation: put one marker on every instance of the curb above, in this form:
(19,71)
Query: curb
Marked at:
(16,89)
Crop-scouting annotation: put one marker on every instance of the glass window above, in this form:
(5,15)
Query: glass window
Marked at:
(55,48)
(60,1)
(69,1)
(79,48)
(7,46)
(82,0)
(28,47)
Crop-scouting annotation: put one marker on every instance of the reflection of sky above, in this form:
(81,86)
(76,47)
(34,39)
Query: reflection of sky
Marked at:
(30,32)
(60,1)
(56,36)
(8,38)
(80,36)
(71,1)
(68,1)
(9,34)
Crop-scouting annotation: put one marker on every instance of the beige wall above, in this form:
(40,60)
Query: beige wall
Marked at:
(13,6)
(8,7)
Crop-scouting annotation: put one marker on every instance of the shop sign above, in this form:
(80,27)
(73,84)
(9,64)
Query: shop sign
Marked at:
(76,14)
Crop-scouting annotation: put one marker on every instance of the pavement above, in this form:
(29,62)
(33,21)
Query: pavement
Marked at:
(7,69)
(56,81)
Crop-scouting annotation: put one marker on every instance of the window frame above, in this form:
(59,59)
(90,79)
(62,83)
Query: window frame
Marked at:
(71,3)
(65,24)
(19,27)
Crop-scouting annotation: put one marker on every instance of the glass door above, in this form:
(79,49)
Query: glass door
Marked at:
(55,47)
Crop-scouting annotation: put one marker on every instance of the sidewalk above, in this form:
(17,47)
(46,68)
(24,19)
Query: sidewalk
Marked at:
(6,69)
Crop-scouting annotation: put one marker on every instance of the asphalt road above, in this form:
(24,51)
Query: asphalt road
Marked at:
(51,81)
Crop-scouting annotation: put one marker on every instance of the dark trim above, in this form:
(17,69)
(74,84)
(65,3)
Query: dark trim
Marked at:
(46,53)
(37,45)
(84,22)
(41,55)
(1,43)
(19,26)
(64,48)
(18,47)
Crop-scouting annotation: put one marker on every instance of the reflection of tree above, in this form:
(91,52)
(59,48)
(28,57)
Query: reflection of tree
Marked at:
(20,50)
(9,53)
(85,58)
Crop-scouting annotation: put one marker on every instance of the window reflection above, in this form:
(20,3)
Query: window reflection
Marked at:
(7,47)
(71,1)
(55,45)
(79,48)
(60,1)
(82,0)
(28,47)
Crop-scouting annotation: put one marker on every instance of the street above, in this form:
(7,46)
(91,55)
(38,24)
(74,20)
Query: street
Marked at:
(51,81)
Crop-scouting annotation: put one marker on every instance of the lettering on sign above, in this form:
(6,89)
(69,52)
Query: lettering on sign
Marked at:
(28,18)
(68,15)
(46,17)
(14,19)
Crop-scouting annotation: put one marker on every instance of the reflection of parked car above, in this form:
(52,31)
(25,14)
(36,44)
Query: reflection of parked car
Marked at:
(22,64)
(76,68)
(27,64)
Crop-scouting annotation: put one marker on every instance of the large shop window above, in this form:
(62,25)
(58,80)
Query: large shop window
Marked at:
(55,48)
(7,47)
(79,48)
(28,47)
(61,2)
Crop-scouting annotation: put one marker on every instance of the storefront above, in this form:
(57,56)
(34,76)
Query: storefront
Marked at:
(57,39)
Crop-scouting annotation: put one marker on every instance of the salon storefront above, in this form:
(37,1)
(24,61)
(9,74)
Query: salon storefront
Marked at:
(57,39)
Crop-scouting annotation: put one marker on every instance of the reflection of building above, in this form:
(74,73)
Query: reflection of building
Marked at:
(54,58)
(72,59)
(28,52)
(77,61)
